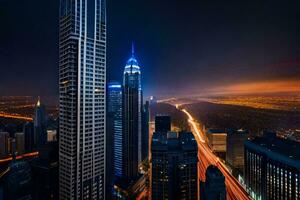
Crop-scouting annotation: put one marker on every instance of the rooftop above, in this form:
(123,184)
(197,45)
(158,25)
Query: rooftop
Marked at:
(280,149)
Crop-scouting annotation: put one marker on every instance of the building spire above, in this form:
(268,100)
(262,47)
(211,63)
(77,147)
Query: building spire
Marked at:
(132,49)
(38,102)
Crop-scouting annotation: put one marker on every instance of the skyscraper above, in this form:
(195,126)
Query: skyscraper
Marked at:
(272,168)
(113,136)
(162,123)
(114,112)
(82,77)
(40,132)
(132,114)
(174,166)
(214,186)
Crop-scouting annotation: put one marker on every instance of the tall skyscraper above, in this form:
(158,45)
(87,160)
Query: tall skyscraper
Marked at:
(132,114)
(162,123)
(174,166)
(114,112)
(214,187)
(272,168)
(82,77)
(40,132)
(113,136)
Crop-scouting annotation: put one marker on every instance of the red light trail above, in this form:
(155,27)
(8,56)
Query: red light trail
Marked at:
(26,155)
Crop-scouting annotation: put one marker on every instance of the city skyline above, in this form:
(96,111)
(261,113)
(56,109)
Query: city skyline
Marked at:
(206,106)
(215,50)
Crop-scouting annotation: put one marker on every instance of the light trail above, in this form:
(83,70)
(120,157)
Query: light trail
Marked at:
(15,116)
(26,155)
(234,190)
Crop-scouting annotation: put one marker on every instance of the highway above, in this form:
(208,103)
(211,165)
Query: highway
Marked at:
(234,190)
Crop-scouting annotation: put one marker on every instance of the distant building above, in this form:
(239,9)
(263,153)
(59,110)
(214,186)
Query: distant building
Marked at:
(214,187)
(272,168)
(20,143)
(174,166)
(28,131)
(235,149)
(40,132)
(162,123)
(4,146)
(51,135)
(145,131)
(216,140)
(18,181)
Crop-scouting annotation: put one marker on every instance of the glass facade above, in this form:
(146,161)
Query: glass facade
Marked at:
(269,172)
(82,77)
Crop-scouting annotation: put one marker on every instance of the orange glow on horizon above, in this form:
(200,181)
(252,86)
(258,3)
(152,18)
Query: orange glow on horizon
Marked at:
(278,86)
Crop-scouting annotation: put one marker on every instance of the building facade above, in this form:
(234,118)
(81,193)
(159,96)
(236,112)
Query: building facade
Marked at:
(113,136)
(174,166)
(162,123)
(132,118)
(216,140)
(214,186)
(40,133)
(28,130)
(82,84)
(235,149)
(272,168)
(4,146)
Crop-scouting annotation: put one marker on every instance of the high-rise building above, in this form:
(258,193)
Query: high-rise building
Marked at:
(162,123)
(20,142)
(235,149)
(40,132)
(114,129)
(272,168)
(114,168)
(174,166)
(145,131)
(132,118)
(82,83)
(4,146)
(214,186)
(28,130)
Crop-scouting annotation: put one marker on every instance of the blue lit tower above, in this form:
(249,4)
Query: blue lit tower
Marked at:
(114,111)
(132,114)
(82,91)
(113,135)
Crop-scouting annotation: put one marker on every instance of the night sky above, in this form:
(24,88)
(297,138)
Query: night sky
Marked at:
(183,46)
